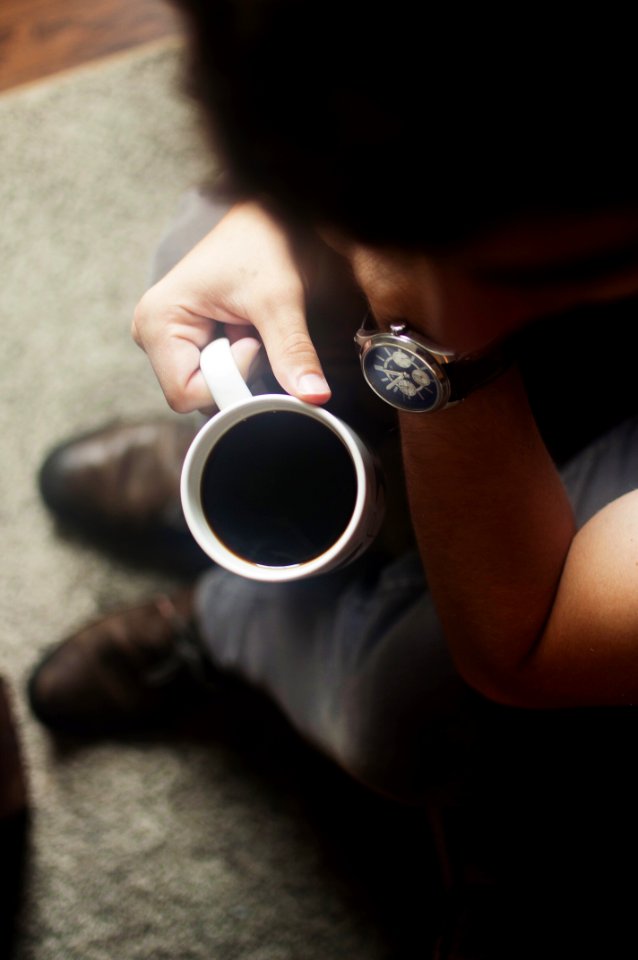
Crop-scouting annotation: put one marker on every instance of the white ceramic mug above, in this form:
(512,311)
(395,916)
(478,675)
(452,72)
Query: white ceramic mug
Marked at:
(275,489)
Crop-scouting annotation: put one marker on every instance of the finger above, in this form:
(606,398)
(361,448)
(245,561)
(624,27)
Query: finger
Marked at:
(173,341)
(293,357)
(176,365)
(245,351)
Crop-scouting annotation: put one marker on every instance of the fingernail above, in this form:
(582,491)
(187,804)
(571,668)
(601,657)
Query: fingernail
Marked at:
(311,384)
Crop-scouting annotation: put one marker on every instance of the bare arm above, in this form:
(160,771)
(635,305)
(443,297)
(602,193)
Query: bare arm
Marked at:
(536,614)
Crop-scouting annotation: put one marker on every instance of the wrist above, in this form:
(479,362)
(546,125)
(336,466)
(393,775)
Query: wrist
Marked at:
(496,416)
(415,375)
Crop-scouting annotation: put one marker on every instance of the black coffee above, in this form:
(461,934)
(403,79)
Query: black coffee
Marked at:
(279,488)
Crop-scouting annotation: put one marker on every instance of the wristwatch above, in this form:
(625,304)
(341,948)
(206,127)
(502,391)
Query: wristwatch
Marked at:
(411,373)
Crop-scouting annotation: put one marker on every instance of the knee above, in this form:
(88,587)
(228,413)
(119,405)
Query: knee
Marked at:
(401,748)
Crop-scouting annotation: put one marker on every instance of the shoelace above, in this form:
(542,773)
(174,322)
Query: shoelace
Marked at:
(187,653)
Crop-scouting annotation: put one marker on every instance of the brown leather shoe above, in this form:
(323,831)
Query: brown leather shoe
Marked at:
(118,486)
(128,669)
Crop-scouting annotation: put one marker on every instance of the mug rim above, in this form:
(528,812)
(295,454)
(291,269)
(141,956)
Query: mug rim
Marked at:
(198,453)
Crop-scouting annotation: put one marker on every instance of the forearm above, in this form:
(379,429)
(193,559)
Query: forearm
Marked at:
(494,527)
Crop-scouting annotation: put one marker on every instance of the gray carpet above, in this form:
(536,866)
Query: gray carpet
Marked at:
(226,838)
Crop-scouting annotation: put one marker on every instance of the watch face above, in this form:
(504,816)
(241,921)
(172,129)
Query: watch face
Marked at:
(403,378)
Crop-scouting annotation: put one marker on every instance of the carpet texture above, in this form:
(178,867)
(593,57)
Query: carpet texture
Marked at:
(220,840)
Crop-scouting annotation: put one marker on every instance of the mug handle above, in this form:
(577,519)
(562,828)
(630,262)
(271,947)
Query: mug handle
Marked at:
(222,375)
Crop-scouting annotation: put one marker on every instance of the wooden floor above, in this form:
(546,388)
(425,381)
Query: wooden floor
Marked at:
(41,37)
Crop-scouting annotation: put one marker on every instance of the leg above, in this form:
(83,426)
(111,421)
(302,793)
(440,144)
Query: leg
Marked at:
(357,663)
(605,470)
(523,805)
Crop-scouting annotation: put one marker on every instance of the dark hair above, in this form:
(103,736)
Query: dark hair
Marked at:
(401,126)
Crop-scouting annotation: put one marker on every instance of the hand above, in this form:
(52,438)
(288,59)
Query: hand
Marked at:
(242,274)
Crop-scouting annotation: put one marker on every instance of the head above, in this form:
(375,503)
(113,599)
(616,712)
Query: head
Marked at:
(424,143)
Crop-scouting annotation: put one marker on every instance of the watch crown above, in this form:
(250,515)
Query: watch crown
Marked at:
(397,328)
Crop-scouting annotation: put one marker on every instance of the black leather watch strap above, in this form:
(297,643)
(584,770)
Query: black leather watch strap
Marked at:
(468,373)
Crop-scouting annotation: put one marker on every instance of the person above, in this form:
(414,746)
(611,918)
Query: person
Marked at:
(482,193)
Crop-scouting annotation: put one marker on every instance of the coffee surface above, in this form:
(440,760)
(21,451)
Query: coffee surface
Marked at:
(279,488)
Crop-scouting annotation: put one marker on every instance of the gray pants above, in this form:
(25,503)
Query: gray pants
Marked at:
(356,660)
